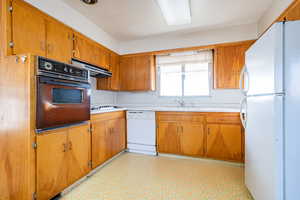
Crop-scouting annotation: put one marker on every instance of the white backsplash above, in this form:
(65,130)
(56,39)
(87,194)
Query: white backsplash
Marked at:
(102,97)
(218,98)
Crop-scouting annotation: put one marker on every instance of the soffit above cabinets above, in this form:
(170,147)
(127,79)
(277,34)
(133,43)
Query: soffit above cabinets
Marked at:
(138,19)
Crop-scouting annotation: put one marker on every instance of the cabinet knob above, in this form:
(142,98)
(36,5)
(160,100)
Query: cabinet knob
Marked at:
(64,147)
(70,146)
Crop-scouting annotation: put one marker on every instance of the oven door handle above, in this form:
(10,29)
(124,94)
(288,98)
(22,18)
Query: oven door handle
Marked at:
(45,80)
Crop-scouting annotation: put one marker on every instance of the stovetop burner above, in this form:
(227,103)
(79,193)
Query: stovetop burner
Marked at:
(103,107)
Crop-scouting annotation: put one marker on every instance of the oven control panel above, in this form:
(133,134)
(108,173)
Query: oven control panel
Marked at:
(61,70)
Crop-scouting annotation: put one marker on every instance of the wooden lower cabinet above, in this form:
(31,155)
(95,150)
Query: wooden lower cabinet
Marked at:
(212,135)
(168,138)
(79,143)
(108,136)
(181,134)
(118,135)
(63,157)
(192,138)
(224,141)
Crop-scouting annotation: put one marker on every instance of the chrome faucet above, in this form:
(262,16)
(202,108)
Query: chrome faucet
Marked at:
(180,101)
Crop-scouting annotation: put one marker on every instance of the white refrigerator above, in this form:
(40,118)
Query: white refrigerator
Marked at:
(270,112)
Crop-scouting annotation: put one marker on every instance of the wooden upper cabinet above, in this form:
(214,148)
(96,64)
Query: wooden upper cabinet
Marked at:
(127,73)
(228,63)
(224,141)
(104,58)
(28,29)
(85,49)
(137,73)
(115,69)
(91,52)
(292,13)
(59,41)
(111,83)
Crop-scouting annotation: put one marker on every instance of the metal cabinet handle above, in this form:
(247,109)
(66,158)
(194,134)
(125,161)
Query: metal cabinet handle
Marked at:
(208,131)
(70,146)
(65,147)
(181,129)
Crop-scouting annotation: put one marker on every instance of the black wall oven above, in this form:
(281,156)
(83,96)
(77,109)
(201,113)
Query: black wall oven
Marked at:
(63,94)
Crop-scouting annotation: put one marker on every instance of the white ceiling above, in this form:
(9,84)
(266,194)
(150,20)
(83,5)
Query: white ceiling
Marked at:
(137,19)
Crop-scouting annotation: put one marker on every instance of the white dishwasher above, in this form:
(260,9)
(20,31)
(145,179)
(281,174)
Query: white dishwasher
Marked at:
(141,136)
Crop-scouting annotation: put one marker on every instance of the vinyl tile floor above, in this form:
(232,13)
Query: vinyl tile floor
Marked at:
(141,177)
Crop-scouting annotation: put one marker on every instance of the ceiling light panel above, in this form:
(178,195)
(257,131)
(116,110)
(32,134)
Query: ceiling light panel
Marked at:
(176,12)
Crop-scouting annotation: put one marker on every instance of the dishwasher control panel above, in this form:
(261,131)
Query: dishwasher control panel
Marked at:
(137,114)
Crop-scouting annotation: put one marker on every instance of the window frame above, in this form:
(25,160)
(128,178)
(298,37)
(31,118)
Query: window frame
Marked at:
(210,83)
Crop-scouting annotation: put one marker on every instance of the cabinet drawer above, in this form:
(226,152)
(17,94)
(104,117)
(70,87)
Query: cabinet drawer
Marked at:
(180,116)
(224,119)
(108,116)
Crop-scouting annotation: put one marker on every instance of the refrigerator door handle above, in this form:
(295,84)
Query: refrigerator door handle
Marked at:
(243,116)
(244,76)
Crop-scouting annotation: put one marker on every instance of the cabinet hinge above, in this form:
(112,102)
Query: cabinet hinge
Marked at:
(34,196)
(90,164)
(10,8)
(34,145)
(11,44)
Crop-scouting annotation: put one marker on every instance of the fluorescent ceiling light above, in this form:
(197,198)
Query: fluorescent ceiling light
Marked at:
(176,12)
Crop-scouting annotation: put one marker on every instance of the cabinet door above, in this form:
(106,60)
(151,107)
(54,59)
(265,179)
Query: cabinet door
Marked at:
(79,145)
(118,135)
(111,83)
(142,72)
(293,13)
(115,69)
(169,138)
(229,60)
(101,143)
(192,138)
(28,29)
(59,41)
(127,73)
(86,50)
(104,58)
(51,163)
(224,141)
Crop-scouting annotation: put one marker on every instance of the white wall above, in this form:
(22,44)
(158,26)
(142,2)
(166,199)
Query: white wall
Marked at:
(229,34)
(218,98)
(278,6)
(99,97)
(75,20)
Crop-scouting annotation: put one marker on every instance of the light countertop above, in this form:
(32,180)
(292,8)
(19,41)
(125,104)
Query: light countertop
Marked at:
(106,111)
(171,109)
(185,109)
